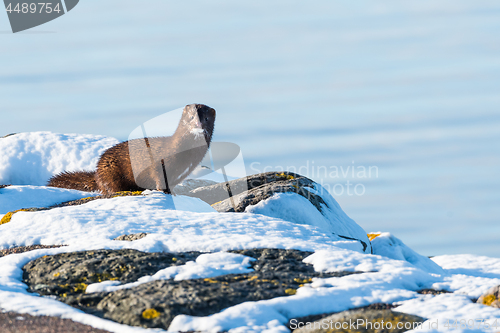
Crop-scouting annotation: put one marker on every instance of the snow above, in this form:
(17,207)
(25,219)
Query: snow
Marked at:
(393,273)
(174,224)
(205,266)
(295,208)
(32,158)
(389,246)
(17,197)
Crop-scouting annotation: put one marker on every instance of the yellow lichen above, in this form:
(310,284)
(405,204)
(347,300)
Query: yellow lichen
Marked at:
(216,203)
(290,291)
(302,280)
(100,277)
(150,314)
(283,175)
(174,259)
(487,300)
(57,274)
(7,217)
(373,236)
(126,193)
(121,268)
(80,287)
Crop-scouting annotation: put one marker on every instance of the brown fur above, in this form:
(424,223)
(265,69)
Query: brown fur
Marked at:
(175,156)
(79,180)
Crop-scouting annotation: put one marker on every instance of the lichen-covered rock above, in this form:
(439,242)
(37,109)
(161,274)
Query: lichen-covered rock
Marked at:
(284,195)
(155,304)
(276,273)
(219,192)
(68,274)
(272,183)
(360,320)
(491,297)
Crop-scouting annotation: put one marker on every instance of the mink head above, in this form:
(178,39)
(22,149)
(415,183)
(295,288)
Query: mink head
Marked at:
(199,120)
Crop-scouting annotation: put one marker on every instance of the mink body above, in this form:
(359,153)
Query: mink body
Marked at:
(150,163)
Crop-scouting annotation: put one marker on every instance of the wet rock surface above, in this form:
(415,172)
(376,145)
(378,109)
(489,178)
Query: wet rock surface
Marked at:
(368,320)
(155,304)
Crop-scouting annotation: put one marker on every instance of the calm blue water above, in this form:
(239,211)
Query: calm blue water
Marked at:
(410,89)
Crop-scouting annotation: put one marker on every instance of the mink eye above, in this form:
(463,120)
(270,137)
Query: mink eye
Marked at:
(206,118)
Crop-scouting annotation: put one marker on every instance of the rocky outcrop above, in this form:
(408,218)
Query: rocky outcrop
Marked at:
(12,322)
(68,274)
(284,195)
(491,297)
(217,193)
(276,273)
(366,320)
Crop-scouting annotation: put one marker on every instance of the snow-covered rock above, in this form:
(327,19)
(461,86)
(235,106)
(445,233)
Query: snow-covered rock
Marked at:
(32,158)
(339,275)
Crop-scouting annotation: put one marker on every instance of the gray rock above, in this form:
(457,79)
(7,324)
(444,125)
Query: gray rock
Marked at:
(220,192)
(21,249)
(360,320)
(433,292)
(249,191)
(491,297)
(12,322)
(68,274)
(276,273)
(276,183)
(131,237)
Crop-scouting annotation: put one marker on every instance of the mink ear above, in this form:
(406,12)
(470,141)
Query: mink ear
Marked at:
(212,112)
